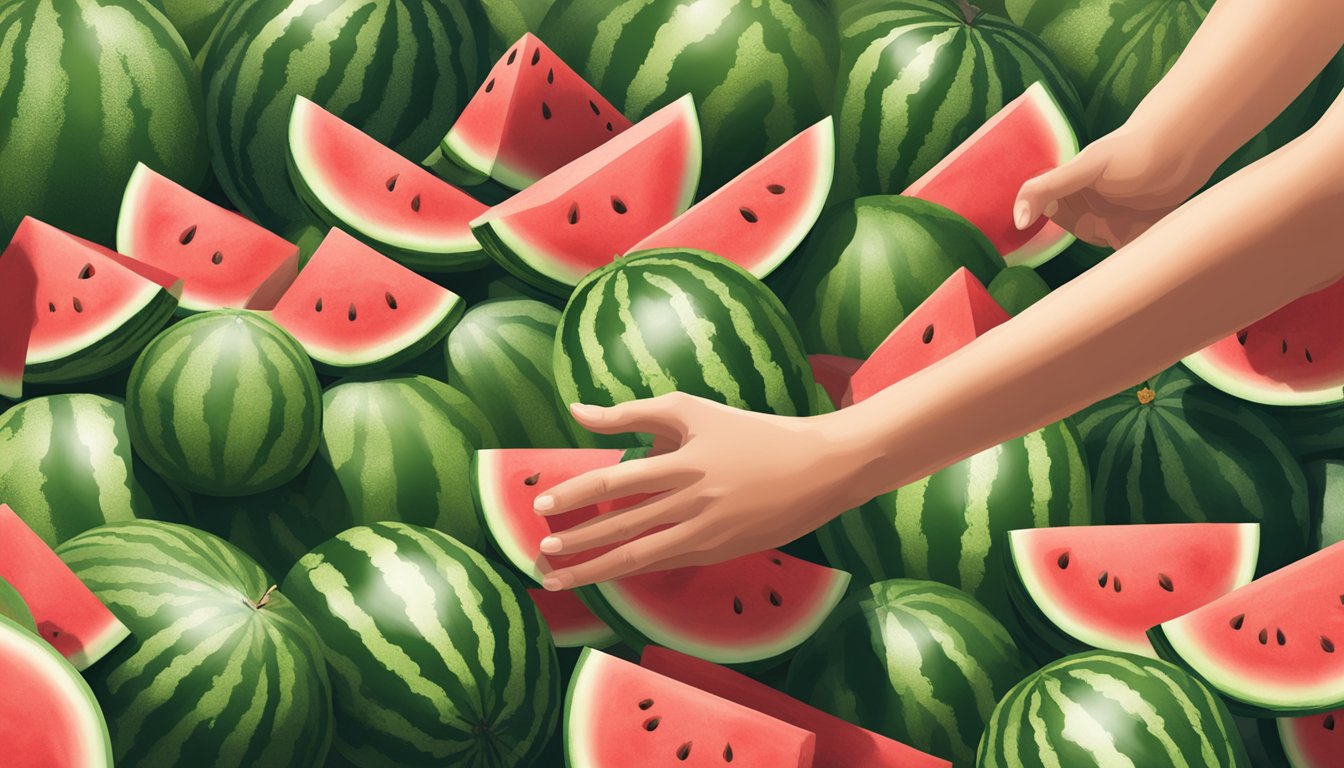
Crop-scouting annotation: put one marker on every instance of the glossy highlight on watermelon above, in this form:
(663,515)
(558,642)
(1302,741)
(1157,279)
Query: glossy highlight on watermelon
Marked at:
(1313,741)
(572,623)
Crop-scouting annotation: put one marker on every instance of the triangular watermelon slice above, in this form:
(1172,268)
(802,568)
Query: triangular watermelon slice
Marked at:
(572,623)
(532,115)
(351,181)
(759,218)
(67,614)
(355,310)
(1314,741)
(223,258)
(595,208)
(753,609)
(833,373)
(980,179)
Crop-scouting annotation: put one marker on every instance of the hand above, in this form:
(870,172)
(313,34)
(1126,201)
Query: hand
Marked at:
(729,482)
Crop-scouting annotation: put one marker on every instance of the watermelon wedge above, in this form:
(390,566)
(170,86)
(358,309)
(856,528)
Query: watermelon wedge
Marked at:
(833,373)
(351,181)
(759,218)
(223,258)
(67,614)
(980,179)
(1273,647)
(596,207)
(751,610)
(1103,586)
(1313,741)
(619,714)
(355,310)
(571,623)
(532,115)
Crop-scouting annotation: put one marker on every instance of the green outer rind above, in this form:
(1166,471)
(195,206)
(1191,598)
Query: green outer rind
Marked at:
(1201,364)
(1017,288)
(1038,250)
(597,637)
(115,350)
(13,607)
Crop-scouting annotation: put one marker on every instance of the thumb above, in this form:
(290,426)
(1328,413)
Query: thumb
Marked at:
(1040,196)
(662,416)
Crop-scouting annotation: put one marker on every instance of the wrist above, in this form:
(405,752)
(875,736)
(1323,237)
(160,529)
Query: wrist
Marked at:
(866,467)
(1179,158)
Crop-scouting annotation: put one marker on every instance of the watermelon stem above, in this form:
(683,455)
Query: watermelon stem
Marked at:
(968,10)
(265,597)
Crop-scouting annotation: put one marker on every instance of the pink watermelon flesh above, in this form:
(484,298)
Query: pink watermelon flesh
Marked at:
(1314,741)
(67,614)
(759,218)
(980,179)
(571,622)
(224,259)
(1291,357)
(953,316)
(1274,646)
(532,115)
(18,297)
(353,308)
(619,715)
(1104,586)
(833,373)
(840,744)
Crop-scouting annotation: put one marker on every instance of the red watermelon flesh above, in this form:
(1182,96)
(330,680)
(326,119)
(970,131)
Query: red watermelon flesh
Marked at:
(840,744)
(618,715)
(67,614)
(980,179)
(572,623)
(224,259)
(953,316)
(532,115)
(833,373)
(1314,741)
(760,217)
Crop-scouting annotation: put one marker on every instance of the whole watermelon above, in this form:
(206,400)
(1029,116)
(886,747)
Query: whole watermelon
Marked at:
(194,19)
(437,656)
(1103,708)
(760,70)
(220,668)
(1017,288)
(1326,481)
(87,89)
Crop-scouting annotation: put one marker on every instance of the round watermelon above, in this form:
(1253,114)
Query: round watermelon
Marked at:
(437,656)
(225,403)
(1314,431)
(1017,288)
(220,668)
(194,19)
(1326,482)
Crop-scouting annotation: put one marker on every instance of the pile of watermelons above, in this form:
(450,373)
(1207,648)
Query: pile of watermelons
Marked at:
(296,291)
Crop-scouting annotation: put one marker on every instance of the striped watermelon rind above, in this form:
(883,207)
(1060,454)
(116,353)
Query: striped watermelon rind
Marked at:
(127,337)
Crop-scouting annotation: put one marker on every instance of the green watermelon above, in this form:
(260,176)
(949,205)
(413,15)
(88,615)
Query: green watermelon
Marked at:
(220,669)
(1313,741)
(449,664)
(13,607)
(1110,709)
(1325,479)
(1017,288)
(509,20)
(1314,432)
(193,19)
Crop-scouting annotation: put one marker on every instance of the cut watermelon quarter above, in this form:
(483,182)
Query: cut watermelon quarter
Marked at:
(759,218)
(532,115)
(619,714)
(981,178)
(67,614)
(1313,741)
(223,258)
(571,622)
(833,373)
(351,181)
(1104,586)
(1273,647)
(355,310)
(595,208)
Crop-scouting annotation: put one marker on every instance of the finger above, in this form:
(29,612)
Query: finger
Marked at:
(1039,196)
(648,475)
(628,558)
(621,525)
(660,416)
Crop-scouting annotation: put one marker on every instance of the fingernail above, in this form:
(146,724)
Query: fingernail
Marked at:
(1022,215)
(543,503)
(550,545)
(557,581)
(551,584)
(585,411)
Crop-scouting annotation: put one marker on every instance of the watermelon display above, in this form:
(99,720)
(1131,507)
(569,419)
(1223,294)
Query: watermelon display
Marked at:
(1017,288)
(349,180)
(1269,647)
(1103,586)
(451,665)
(833,373)
(223,259)
(591,210)
(1104,708)
(1313,741)
(13,608)
(572,623)
(981,178)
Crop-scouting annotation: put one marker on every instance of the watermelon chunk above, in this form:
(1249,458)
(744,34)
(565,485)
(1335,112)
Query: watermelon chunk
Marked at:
(760,217)
(532,115)
(1313,741)
(618,714)
(351,181)
(355,310)
(224,259)
(67,614)
(595,208)
(571,622)
(1103,586)
(833,373)
(1274,647)
(980,179)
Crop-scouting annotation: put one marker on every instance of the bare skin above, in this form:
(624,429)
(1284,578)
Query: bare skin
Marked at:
(731,482)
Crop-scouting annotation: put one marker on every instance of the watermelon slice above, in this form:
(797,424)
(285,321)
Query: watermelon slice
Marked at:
(571,623)
(751,610)
(1314,741)
(840,744)
(67,614)
(759,218)
(223,258)
(618,715)
(1103,586)
(351,181)
(981,178)
(833,373)
(951,317)
(355,310)
(1274,647)
(532,115)
(1291,357)
(595,208)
